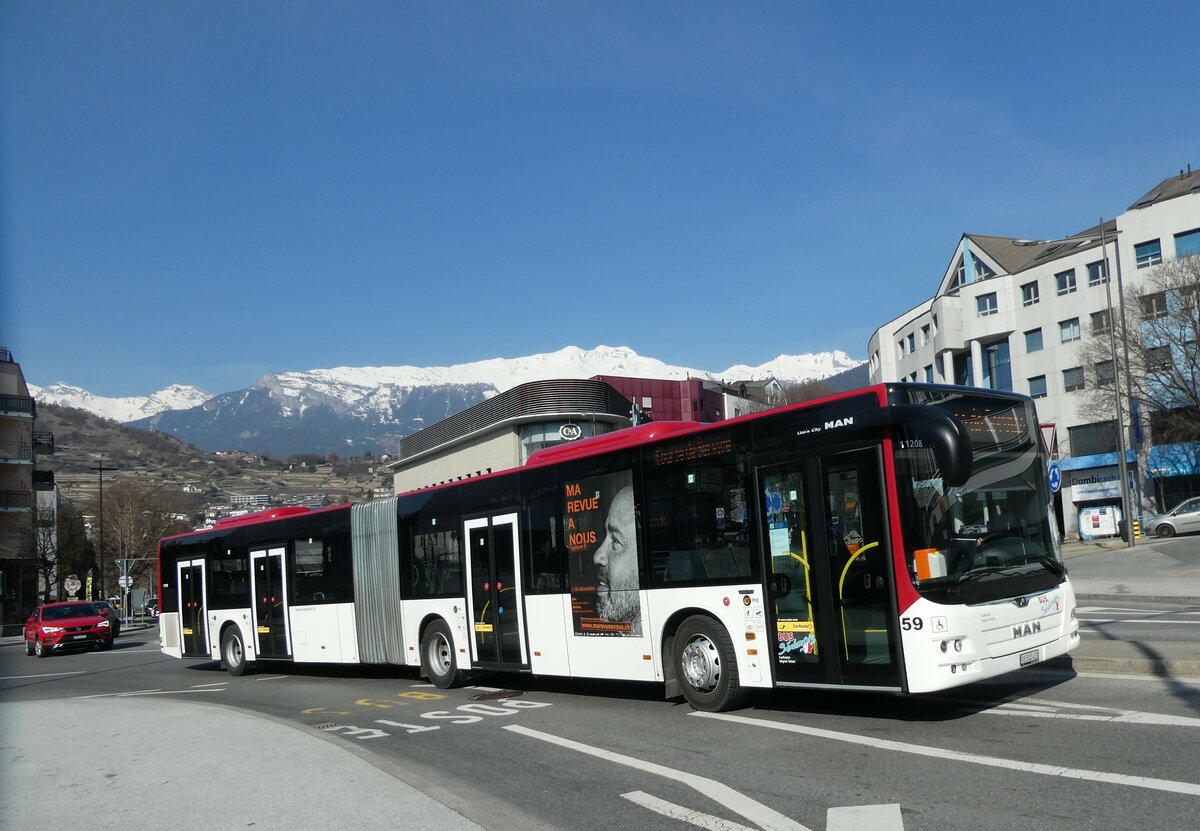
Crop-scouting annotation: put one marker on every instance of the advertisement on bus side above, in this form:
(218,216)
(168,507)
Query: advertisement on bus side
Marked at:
(601,535)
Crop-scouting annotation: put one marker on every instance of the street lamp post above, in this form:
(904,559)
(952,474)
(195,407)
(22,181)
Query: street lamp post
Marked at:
(100,469)
(1122,466)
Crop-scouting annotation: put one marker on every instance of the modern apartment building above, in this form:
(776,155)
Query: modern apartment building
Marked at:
(28,500)
(1013,314)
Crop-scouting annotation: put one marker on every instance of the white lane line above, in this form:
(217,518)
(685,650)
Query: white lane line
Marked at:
(865,818)
(1119,715)
(756,812)
(147,692)
(1136,620)
(43,675)
(678,812)
(270,678)
(945,754)
(217,684)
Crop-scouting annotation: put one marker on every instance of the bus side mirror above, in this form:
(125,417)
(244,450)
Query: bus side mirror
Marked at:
(943,433)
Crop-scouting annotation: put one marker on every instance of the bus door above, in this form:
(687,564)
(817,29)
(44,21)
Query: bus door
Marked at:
(829,576)
(193,631)
(494,592)
(861,574)
(268,586)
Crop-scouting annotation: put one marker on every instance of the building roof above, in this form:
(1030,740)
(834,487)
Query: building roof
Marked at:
(1187,182)
(1017,258)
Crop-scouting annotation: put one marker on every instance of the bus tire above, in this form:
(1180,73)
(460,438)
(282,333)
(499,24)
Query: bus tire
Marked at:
(438,660)
(706,666)
(233,652)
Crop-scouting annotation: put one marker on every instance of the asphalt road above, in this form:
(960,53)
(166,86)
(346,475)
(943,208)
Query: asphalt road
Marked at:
(1037,749)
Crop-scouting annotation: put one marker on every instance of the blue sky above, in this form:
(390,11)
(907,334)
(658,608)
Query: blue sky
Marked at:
(202,193)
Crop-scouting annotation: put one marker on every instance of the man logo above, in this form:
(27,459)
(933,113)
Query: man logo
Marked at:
(1023,629)
(840,422)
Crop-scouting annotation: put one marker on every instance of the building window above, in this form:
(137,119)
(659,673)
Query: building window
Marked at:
(1068,330)
(912,343)
(1073,379)
(1097,272)
(1100,322)
(1064,282)
(1187,243)
(1104,373)
(1029,294)
(1158,359)
(1033,340)
(929,374)
(900,347)
(1087,439)
(997,368)
(1037,387)
(982,271)
(925,334)
(1154,305)
(985,304)
(1148,253)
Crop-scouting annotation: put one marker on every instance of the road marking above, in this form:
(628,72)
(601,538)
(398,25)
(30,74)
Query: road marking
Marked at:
(1135,620)
(865,818)
(146,692)
(1049,709)
(43,675)
(678,812)
(271,678)
(741,804)
(945,754)
(217,684)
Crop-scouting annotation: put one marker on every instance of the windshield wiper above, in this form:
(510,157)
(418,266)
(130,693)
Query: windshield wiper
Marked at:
(1051,564)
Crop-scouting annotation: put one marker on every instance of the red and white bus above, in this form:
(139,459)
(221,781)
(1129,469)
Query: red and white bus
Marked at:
(899,538)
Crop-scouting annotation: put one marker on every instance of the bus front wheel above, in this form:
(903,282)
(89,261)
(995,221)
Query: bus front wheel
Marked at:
(233,652)
(705,665)
(438,662)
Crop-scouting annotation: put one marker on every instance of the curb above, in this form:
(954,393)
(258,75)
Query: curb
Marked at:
(1161,668)
(1141,598)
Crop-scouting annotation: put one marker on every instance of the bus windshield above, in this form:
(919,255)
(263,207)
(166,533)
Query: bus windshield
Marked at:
(994,536)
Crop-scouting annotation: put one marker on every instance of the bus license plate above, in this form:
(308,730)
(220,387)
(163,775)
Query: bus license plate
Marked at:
(1031,657)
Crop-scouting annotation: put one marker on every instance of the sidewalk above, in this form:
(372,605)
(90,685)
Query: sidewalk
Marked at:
(147,770)
(1107,572)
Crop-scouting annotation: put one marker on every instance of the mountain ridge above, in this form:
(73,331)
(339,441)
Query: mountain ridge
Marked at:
(355,410)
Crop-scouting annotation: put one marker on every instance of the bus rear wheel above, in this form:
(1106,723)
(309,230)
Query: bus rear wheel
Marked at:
(233,652)
(438,662)
(705,665)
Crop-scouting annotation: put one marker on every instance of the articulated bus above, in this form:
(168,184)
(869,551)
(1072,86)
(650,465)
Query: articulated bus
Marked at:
(896,538)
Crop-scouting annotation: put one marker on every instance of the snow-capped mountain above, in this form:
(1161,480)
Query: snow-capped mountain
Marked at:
(352,410)
(174,397)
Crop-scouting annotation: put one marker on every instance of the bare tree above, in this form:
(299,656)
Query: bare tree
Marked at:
(76,554)
(136,516)
(1161,330)
(806,391)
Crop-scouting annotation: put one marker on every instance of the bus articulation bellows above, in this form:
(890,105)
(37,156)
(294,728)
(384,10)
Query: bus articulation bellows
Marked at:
(898,538)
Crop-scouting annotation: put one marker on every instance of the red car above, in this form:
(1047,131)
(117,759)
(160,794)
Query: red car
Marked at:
(56,626)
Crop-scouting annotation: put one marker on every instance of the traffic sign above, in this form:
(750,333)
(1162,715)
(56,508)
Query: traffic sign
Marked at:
(1055,476)
(72,585)
(125,582)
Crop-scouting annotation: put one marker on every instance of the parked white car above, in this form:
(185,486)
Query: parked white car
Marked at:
(1183,519)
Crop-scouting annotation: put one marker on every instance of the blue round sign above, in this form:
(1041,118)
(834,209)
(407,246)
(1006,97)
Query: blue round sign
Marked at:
(1055,477)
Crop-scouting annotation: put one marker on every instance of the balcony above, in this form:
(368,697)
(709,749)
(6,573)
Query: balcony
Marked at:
(16,453)
(43,442)
(43,480)
(45,517)
(17,406)
(16,501)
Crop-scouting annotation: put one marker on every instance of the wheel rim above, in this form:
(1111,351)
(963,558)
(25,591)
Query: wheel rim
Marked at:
(39,649)
(440,656)
(233,652)
(701,664)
